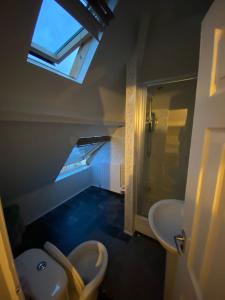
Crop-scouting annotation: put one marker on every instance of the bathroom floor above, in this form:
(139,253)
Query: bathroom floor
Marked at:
(136,264)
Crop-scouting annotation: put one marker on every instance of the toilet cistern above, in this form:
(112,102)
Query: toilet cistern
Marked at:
(43,278)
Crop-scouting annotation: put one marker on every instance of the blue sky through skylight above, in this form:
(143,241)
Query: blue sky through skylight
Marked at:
(54,27)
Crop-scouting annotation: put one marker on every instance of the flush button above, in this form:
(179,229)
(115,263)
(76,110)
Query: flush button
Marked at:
(41,265)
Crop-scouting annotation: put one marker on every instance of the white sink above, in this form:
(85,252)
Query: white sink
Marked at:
(165,218)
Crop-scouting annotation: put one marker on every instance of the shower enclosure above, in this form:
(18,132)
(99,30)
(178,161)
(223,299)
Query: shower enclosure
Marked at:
(167,125)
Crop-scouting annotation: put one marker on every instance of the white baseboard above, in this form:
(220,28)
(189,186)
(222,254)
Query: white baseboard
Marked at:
(128,232)
(57,205)
(141,225)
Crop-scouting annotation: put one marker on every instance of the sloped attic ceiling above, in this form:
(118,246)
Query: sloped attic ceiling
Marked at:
(42,114)
(172,46)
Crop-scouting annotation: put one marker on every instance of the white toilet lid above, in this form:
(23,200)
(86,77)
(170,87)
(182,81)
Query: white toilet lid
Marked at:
(43,276)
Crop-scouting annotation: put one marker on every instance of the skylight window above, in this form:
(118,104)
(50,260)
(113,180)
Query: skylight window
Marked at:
(60,43)
(67,34)
(54,30)
(78,159)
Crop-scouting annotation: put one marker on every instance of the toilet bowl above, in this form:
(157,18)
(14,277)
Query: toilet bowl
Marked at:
(54,276)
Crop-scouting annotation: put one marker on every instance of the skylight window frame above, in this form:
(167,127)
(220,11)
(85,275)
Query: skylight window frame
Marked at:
(80,58)
(80,65)
(79,38)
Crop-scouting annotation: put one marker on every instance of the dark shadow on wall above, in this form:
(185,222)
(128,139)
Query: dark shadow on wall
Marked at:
(32,154)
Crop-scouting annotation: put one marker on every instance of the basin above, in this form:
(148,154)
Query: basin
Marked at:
(166,218)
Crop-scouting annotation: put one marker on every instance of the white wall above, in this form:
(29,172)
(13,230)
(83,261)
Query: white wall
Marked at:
(37,203)
(107,163)
(42,114)
(104,172)
(32,154)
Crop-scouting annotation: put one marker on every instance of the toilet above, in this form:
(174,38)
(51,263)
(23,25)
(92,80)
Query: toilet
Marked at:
(50,274)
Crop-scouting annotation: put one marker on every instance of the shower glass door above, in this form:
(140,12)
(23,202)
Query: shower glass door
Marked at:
(168,127)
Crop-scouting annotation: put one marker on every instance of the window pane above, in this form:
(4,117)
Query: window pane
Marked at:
(76,160)
(54,27)
(74,156)
(64,66)
(79,153)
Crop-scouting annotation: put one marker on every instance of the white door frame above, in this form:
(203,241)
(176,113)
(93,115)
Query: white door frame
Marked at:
(140,223)
(9,285)
(133,95)
(136,97)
